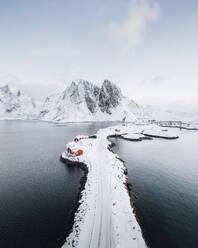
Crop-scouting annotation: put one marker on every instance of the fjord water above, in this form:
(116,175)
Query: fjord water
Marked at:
(164,176)
(37,191)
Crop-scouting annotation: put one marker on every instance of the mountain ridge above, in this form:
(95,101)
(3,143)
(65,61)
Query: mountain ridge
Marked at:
(85,101)
(16,105)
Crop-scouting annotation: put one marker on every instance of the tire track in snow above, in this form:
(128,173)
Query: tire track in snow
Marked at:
(101,237)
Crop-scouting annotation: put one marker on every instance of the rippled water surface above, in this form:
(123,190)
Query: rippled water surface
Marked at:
(37,191)
(164,175)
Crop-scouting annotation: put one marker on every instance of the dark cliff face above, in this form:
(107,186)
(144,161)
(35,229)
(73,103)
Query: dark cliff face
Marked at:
(91,104)
(91,93)
(110,97)
(92,101)
(83,96)
(105,98)
(84,91)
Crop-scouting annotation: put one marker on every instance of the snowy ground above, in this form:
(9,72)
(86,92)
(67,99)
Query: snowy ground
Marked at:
(105,217)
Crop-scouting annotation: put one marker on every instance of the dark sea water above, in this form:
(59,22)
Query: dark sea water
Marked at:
(164,175)
(37,191)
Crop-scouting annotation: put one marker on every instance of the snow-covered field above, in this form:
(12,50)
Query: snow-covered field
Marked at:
(105,217)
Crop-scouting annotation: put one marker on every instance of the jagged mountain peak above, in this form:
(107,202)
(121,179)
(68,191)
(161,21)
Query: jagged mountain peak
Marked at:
(85,101)
(80,101)
(110,96)
(81,85)
(82,91)
(111,89)
(79,81)
(108,83)
(5,89)
(14,104)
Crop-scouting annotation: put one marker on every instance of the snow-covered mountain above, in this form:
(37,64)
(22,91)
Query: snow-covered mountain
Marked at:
(16,105)
(84,101)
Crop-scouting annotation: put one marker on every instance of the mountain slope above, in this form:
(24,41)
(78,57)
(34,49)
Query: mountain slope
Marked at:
(15,105)
(84,101)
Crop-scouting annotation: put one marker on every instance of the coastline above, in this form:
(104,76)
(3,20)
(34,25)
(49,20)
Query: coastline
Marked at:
(181,127)
(83,181)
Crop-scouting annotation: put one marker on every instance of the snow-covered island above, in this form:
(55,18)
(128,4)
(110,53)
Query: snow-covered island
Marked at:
(105,217)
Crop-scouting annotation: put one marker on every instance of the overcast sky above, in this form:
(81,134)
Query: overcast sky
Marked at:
(149,48)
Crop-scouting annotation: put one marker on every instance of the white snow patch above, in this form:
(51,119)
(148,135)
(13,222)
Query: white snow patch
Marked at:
(133,136)
(154,130)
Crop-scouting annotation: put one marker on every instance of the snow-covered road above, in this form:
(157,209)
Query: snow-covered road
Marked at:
(105,217)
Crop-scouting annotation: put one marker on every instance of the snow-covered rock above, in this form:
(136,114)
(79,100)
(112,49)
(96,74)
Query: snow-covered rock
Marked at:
(84,101)
(110,97)
(16,105)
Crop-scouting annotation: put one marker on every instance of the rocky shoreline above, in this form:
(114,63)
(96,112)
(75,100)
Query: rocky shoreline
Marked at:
(83,181)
